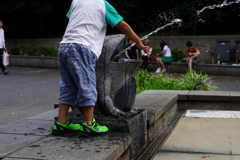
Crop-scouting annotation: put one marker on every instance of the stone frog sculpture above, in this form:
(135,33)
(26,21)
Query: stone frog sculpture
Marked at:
(115,80)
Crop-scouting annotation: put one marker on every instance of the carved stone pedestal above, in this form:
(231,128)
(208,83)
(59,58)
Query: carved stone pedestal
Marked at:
(135,124)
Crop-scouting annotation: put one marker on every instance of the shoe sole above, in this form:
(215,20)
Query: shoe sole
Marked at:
(97,134)
(59,133)
(64,133)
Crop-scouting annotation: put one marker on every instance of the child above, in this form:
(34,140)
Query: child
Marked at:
(145,56)
(78,51)
(165,56)
(131,53)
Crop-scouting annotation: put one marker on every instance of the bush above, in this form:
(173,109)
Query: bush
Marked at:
(214,54)
(177,54)
(188,81)
(34,51)
(155,50)
(15,51)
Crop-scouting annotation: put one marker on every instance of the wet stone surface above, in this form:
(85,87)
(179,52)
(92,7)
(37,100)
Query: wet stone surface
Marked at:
(17,135)
(76,147)
(28,127)
(13,142)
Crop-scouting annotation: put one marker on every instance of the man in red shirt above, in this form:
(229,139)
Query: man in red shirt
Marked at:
(192,53)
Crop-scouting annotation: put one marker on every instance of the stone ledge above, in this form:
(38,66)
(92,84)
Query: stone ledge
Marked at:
(209,95)
(226,96)
(33,61)
(208,105)
(210,69)
(182,94)
(235,96)
(108,147)
(31,139)
(174,67)
(158,105)
(124,124)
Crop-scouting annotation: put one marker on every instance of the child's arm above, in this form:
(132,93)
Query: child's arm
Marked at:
(196,53)
(161,53)
(127,30)
(142,53)
(137,53)
(126,54)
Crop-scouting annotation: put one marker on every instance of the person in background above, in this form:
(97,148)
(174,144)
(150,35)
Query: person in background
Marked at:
(192,54)
(145,56)
(131,53)
(165,56)
(2,48)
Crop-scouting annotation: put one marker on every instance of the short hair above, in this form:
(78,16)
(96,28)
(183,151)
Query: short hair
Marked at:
(189,44)
(129,39)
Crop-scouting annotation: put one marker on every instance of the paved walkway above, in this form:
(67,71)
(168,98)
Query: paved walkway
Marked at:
(26,92)
(227,83)
(204,134)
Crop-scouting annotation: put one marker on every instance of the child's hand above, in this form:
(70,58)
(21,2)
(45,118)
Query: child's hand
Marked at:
(145,48)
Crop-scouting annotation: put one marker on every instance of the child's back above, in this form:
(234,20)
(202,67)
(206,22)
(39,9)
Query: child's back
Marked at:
(87,23)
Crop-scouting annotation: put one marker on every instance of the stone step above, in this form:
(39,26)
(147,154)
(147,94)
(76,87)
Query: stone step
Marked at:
(107,147)
(31,139)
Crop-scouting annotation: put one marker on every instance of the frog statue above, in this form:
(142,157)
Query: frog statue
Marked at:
(115,80)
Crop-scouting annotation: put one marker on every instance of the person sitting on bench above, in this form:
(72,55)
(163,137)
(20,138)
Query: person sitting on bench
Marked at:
(165,56)
(192,53)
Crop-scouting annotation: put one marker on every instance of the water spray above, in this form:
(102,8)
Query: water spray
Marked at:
(218,5)
(175,21)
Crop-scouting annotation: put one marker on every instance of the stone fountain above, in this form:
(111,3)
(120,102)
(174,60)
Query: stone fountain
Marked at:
(116,94)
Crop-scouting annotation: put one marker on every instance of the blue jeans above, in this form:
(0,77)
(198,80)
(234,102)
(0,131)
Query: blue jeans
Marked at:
(78,79)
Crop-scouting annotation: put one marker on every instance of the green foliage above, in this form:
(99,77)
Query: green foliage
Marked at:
(177,54)
(34,51)
(188,81)
(155,50)
(214,54)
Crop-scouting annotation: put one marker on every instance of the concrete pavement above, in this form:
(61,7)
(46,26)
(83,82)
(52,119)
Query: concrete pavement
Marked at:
(227,83)
(203,134)
(26,92)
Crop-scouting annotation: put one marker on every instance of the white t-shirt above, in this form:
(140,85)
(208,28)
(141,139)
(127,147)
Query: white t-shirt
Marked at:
(88,21)
(2,40)
(167,50)
(144,53)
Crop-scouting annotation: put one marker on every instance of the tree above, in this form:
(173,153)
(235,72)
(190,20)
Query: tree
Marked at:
(33,18)
(47,18)
(209,21)
(32,8)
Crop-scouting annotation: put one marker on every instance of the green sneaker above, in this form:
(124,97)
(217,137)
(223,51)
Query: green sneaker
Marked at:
(95,129)
(67,128)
